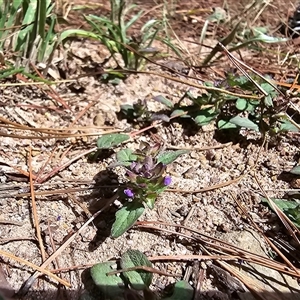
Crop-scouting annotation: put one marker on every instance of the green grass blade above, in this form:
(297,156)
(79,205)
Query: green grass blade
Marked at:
(9,72)
(26,36)
(47,43)
(77,32)
(133,20)
(8,18)
(41,22)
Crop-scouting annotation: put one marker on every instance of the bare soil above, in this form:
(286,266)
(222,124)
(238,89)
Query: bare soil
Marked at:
(65,200)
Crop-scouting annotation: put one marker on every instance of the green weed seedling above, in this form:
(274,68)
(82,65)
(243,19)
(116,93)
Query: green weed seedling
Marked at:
(140,113)
(146,178)
(133,282)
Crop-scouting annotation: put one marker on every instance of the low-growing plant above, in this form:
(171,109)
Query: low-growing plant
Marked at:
(229,112)
(133,282)
(146,178)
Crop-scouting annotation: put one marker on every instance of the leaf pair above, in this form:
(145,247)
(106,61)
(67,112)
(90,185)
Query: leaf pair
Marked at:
(114,285)
(136,274)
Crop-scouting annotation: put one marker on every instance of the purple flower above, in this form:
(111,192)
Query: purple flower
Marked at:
(129,193)
(167,180)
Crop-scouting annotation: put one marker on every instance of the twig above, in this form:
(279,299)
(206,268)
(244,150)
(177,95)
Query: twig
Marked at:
(53,93)
(66,164)
(144,268)
(209,188)
(34,209)
(35,267)
(45,164)
(200,148)
(80,114)
(218,245)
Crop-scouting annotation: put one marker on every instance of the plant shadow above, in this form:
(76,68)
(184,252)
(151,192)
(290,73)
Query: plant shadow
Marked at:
(105,186)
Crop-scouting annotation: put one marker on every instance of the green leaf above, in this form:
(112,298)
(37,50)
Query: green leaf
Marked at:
(150,199)
(127,109)
(295,170)
(202,120)
(126,155)
(252,105)
(244,122)
(179,113)
(268,101)
(77,32)
(205,116)
(291,208)
(182,290)
(110,285)
(266,38)
(161,99)
(169,156)
(222,124)
(110,140)
(237,81)
(286,125)
(126,217)
(241,104)
(139,279)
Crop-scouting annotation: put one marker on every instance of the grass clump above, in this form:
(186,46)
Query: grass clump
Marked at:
(28,29)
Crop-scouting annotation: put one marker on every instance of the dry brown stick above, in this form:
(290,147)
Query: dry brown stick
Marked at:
(34,209)
(145,268)
(81,205)
(220,146)
(196,85)
(55,192)
(253,286)
(290,226)
(236,62)
(209,188)
(159,258)
(219,244)
(45,164)
(48,129)
(33,137)
(268,241)
(16,239)
(80,114)
(66,164)
(61,156)
(25,173)
(193,257)
(53,247)
(35,267)
(11,222)
(220,185)
(65,132)
(26,286)
(53,93)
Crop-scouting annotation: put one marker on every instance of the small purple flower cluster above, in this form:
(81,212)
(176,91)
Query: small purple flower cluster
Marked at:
(146,177)
(129,193)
